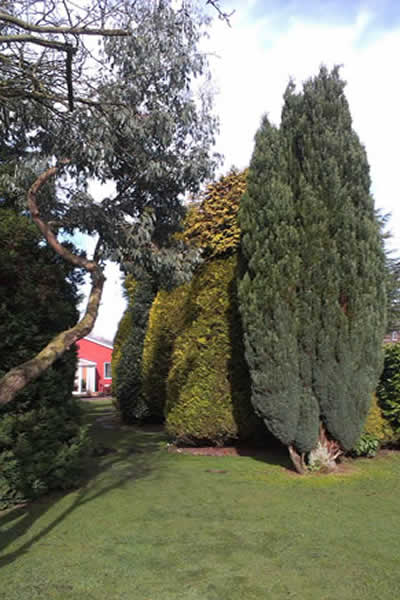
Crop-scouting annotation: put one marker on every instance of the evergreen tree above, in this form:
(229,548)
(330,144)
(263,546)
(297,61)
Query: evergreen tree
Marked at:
(312,290)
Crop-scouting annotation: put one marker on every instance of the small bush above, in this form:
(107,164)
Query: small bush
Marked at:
(376,431)
(367,445)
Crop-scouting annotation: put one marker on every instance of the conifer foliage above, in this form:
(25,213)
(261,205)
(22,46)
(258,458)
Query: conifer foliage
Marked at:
(213,223)
(312,291)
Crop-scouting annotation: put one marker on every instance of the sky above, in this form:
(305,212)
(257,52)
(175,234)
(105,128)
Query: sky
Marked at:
(270,41)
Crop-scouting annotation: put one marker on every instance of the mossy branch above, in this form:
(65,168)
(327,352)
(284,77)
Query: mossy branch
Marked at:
(18,377)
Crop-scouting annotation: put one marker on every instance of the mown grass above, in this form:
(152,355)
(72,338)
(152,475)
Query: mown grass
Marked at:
(151,525)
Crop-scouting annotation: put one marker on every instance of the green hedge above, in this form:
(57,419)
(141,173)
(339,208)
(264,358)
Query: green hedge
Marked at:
(388,390)
(123,332)
(208,386)
(129,387)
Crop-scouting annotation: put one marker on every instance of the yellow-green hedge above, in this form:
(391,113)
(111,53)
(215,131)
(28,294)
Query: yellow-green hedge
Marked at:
(375,424)
(166,320)
(212,223)
(208,386)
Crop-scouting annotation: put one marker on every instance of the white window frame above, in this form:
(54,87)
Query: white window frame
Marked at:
(105,371)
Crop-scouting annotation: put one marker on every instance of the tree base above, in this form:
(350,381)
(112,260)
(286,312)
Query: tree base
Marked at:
(322,458)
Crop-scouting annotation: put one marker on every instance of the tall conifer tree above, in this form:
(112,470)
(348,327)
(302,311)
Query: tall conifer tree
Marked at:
(312,290)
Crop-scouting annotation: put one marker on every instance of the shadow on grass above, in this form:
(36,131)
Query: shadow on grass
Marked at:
(274,454)
(125,456)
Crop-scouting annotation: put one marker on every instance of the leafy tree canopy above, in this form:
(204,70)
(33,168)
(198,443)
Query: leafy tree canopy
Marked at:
(119,108)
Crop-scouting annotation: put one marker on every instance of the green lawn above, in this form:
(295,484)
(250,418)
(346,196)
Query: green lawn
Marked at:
(151,525)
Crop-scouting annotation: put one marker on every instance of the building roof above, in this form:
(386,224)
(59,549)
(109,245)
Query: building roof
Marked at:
(86,363)
(99,340)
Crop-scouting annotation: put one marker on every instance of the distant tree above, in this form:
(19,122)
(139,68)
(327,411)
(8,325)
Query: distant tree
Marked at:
(124,111)
(312,294)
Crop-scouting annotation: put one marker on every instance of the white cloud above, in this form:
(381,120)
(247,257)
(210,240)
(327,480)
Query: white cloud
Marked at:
(252,62)
(255,62)
(113,303)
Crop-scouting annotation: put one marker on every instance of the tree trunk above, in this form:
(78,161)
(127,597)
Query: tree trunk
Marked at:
(298,460)
(321,458)
(18,377)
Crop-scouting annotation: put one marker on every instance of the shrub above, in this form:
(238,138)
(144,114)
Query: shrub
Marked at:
(124,328)
(367,445)
(130,398)
(208,388)
(375,424)
(388,390)
(42,442)
(376,430)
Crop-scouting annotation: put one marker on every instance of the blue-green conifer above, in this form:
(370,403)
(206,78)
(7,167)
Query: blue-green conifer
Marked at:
(312,289)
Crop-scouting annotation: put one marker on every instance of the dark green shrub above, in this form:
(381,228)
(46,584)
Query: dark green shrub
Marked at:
(122,334)
(130,398)
(388,390)
(208,389)
(42,442)
(367,445)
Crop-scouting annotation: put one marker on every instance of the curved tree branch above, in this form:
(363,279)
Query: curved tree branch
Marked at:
(18,377)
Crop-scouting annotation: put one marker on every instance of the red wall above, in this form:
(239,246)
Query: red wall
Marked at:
(98,354)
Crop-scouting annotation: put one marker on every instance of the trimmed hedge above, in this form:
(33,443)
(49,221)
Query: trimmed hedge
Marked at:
(212,224)
(208,386)
(388,390)
(167,318)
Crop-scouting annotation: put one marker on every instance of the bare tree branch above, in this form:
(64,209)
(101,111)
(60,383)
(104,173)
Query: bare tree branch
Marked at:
(221,14)
(6,17)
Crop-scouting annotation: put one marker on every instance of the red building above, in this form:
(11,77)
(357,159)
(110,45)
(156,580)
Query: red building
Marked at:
(93,375)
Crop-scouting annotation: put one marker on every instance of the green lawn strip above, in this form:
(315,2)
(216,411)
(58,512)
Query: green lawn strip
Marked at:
(153,525)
